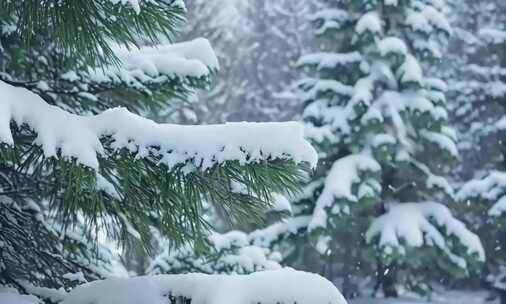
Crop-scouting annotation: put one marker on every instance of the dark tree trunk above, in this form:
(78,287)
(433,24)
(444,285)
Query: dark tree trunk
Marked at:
(349,288)
(386,278)
(388,284)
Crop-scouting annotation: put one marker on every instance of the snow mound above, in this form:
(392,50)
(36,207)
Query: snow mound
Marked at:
(266,287)
(79,137)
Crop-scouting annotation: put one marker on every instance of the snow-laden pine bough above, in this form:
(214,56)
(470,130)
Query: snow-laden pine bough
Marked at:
(108,167)
(216,157)
(72,157)
(285,286)
(117,152)
(71,136)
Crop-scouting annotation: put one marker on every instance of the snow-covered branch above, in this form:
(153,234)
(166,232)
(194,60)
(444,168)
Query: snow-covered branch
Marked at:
(194,58)
(174,70)
(79,137)
(423,224)
(344,174)
(490,188)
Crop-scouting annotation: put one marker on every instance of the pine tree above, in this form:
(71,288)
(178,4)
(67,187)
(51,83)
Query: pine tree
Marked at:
(478,92)
(76,159)
(380,123)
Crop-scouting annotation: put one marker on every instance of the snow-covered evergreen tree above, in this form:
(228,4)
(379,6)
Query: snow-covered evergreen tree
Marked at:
(474,69)
(77,159)
(380,122)
(477,77)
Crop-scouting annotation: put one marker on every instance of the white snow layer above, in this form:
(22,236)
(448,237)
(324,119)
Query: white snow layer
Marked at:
(281,203)
(428,19)
(266,287)
(267,236)
(133,3)
(339,183)
(490,188)
(195,58)
(11,296)
(369,22)
(411,70)
(234,254)
(499,208)
(392,45)
(78,137)
(423,224)
(493,35)
(329,60)
(136,4)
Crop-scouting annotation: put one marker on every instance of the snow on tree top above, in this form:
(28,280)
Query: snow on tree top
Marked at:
(423,224)
(79,137)
(285,286)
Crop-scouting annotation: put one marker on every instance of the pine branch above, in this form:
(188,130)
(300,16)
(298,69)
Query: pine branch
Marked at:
(84,29)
